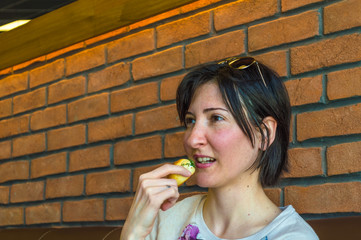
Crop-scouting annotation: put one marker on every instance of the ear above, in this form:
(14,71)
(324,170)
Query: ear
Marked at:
(271,124)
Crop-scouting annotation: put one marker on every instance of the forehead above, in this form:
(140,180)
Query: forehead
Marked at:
(207,95)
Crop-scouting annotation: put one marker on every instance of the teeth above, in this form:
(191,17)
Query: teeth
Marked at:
(205,160)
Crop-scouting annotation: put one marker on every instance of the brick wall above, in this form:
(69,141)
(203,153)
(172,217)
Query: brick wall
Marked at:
(79,125)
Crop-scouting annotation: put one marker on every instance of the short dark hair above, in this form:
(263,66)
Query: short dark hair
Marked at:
(250,101)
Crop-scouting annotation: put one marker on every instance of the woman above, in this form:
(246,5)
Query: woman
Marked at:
(237,117)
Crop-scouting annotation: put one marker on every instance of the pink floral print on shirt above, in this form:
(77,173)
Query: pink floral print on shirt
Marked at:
(189,233)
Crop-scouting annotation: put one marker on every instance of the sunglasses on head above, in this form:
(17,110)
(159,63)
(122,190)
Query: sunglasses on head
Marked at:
(242,63)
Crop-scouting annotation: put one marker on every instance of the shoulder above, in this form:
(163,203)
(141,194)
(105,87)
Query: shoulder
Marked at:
(290,225)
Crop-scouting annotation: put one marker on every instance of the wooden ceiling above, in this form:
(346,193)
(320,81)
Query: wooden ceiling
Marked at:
(75,22)
(11,10)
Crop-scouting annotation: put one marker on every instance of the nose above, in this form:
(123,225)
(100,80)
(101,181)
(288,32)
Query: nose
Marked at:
(195,137)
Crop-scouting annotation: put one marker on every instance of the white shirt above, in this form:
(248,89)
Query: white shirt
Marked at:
(184,221)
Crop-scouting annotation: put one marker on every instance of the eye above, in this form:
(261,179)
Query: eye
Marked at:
(188,121)
(216,118)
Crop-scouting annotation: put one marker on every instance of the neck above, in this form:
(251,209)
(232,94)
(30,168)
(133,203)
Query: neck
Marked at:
(240,211)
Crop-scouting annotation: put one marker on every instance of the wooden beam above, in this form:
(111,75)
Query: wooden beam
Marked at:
(76,22)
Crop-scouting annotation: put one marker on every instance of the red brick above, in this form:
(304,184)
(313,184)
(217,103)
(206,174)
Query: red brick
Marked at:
(183,29)
(154,19)
(305,90)
(344,84)
(14,126)
(276,60)
(344,158)
(95,157)
(66,137)
(11,216)
(13,84)
(66,89)
(29,144)
(291,128)
(6,107)
(89,107)
(326,53)
(112,76)
(48,165)
(173,145)
(329,122)
(283,31)
(6,71)
(304,162)
(196,5)
(108,182)
(85,60)
(110,128)
(5,150)
(47,73)
(65,186)
(118,208)
(160,118)
(133,97)
(242,12)
(274,194)
(29,101)
(135,44)
(65,50)
(29,63)
(325,198)
(342,15)
(223,46)
(18,170)
(107,35)
(138,150)
(50,117)
(168,87)
(83,211)
(44,213)
(140,171)
(154,65)
(27,192)
(4,194)
(292,4)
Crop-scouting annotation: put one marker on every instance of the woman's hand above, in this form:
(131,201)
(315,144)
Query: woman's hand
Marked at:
(154,192)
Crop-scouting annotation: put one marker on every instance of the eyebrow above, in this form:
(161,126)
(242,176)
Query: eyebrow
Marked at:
(210,110)
(213,109)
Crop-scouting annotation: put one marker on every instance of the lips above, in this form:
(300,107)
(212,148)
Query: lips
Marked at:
(202,161)
(205,159)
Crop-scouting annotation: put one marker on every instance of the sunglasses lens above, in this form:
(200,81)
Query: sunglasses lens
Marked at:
(242,62)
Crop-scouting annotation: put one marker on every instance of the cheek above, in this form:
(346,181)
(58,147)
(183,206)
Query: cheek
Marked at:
(228,139)
(232,143)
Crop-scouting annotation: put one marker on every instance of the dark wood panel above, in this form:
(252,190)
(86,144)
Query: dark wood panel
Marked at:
(73,23)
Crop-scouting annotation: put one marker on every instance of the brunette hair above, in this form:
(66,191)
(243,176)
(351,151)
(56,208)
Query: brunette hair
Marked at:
(251,94)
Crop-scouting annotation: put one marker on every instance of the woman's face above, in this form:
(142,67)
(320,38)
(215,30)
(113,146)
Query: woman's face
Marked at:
(222,153)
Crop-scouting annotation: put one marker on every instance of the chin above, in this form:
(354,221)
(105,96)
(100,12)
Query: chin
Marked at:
(203,182)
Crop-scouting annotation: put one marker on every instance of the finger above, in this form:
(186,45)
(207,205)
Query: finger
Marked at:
(168,196)
(167,205)
(153,191)
(152,198)
(158,182)
(170,202)
(143,212)
(148,184)
(167,169)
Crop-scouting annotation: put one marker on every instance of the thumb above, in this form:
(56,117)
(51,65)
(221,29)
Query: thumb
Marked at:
(167,204)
